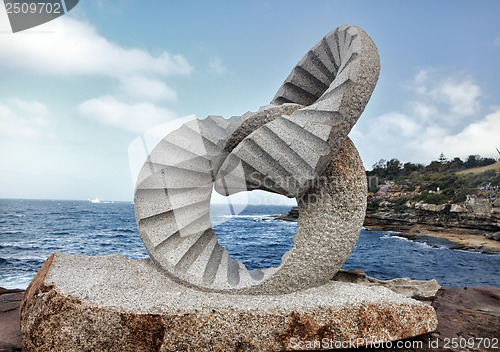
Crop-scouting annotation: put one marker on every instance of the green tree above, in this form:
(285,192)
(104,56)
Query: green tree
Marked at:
(393,168)
(378,169)
(472,161)
(408,168)
(487,161)
(456,164)
(434,166)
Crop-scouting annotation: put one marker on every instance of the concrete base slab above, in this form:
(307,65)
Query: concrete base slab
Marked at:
(79,303)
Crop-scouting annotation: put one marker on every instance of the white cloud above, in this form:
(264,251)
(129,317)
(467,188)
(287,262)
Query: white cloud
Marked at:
(455,96)
(26,119)
(69,46)
(480,137)
(216,66)
(425,112)
(461,97)
(136,117)
(397,124)
(148,89)
(443,116)
(419,82)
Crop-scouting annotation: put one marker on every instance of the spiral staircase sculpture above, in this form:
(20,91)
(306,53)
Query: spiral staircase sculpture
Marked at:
(297,146)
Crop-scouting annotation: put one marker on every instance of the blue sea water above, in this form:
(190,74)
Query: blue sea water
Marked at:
(31,230)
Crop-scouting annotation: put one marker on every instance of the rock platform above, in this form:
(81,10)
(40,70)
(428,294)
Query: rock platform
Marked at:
(111,303)
(10,334)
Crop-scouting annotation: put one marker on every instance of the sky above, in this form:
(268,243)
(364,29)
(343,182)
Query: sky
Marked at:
(77,91)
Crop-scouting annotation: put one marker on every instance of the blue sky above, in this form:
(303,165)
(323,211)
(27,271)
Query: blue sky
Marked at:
(75,92)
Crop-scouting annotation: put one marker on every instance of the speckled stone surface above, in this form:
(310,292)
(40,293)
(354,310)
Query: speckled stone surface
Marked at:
(332,213)
(256,120)
(79,303)
(297,147)
(331,217)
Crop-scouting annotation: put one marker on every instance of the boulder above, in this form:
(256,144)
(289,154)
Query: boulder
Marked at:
(478,205)
(430,207)
(458,208)
(79,303)
(469,316)
(493,236)
(421,290)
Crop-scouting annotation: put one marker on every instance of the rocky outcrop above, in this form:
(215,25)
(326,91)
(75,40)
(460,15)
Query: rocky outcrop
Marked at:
(473,312)
(483,205)
(468,322)
(78,303)
(292,215)
(477,212)
(417,289)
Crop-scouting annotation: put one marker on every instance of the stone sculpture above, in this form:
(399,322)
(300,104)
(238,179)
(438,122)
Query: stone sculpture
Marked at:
(297,146)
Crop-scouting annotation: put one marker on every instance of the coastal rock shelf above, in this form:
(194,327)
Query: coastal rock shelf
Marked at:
(113,303)
(477,212)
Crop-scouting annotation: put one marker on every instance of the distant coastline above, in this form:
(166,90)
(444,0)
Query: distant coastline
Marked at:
(468,232)
(451,199)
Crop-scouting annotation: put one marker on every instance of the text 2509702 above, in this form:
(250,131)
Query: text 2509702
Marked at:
(33,7)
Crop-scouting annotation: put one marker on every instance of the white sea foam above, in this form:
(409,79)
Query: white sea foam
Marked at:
(422,244)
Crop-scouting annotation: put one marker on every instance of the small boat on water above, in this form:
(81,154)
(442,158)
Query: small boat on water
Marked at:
(96,200)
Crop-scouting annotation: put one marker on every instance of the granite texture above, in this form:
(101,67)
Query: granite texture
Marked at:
(462,313)
(79,303)
(253,121)
(333,216)
(297,147)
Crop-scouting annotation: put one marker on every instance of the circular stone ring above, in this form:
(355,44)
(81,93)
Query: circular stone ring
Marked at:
(297,146)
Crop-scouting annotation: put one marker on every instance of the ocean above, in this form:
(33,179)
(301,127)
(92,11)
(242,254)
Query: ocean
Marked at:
(31,230)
